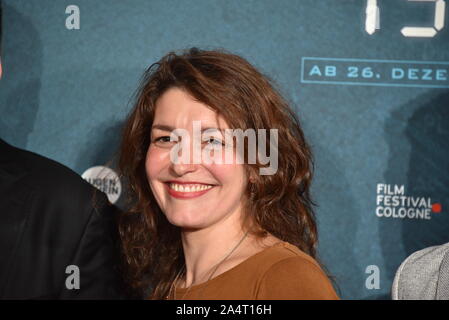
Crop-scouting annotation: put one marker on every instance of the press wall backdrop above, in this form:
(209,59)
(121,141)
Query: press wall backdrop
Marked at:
(368,79)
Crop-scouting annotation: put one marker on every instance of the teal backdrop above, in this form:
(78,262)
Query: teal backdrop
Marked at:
(374,103)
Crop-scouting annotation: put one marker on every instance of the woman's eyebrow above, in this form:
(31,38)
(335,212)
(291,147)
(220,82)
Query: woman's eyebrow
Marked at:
(170,128)
(162,127)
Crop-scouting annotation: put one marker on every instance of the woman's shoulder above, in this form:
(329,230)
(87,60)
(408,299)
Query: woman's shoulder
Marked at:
(284,254)
(289,273)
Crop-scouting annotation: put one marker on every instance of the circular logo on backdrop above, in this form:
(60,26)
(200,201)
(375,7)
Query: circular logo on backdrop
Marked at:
(104,179)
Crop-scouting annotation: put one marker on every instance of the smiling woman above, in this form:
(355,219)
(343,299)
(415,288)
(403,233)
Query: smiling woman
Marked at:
(216,229)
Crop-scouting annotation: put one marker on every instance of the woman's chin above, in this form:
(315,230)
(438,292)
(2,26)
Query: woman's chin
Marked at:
(186,221)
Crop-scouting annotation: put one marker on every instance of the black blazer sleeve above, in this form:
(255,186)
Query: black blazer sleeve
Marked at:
(96,258)
(50,218)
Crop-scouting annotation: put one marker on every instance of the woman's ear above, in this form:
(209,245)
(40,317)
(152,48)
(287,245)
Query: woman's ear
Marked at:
(252,178)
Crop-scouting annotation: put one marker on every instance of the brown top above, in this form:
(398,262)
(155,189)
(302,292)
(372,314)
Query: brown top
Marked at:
(281,271)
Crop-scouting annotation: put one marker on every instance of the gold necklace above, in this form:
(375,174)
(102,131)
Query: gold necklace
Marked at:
(173,287)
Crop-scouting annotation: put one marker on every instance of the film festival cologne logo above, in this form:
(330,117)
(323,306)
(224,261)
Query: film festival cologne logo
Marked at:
(393,202)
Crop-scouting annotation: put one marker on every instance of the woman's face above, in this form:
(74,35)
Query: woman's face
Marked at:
(193,195)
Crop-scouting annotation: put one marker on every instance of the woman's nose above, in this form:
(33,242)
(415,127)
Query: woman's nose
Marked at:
(181,169)
(184,159)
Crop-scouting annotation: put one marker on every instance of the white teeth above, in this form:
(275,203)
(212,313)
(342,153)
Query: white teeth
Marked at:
(189,188)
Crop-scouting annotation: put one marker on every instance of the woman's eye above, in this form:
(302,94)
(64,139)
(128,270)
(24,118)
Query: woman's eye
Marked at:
(214,141)
(162,139)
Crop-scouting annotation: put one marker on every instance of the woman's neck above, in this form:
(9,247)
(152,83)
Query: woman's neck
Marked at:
(205,248)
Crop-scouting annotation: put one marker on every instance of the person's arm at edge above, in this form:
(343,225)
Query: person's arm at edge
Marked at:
(97,256)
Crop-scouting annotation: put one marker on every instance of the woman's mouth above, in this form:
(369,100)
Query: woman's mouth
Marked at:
(187,190)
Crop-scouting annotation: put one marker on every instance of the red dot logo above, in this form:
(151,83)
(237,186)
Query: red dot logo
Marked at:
(436,207)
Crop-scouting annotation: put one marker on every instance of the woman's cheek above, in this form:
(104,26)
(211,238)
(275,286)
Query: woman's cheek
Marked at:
(155,161)
(227,174)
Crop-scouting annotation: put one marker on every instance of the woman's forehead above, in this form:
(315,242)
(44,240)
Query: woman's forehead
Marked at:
(177,108)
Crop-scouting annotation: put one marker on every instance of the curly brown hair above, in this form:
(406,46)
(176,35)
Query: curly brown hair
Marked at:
(279,204)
